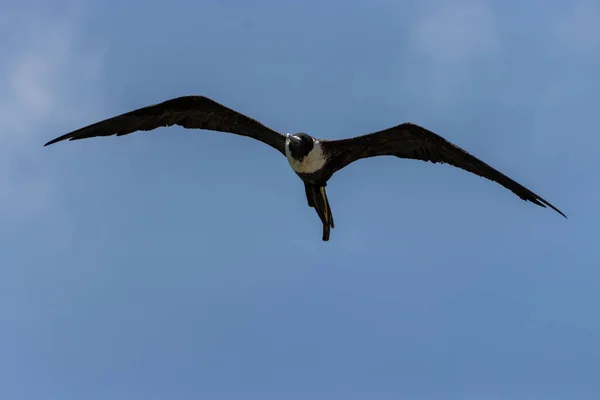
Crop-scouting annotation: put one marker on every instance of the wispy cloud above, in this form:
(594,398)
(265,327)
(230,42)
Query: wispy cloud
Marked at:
(455,32)
(448,41)
(578,29)
(43,69)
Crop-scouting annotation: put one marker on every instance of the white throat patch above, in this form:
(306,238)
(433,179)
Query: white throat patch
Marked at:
(314,161)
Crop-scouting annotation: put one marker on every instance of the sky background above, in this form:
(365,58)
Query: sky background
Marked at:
(180,264)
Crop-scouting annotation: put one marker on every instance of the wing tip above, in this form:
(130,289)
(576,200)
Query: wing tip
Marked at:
(541,202)
(560,212)
(58,139)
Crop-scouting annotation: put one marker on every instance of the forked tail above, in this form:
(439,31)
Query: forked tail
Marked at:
(317,198)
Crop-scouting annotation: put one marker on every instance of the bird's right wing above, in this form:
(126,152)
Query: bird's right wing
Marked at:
(197,112)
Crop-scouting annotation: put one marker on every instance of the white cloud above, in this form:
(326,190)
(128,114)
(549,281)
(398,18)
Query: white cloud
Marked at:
(43,70)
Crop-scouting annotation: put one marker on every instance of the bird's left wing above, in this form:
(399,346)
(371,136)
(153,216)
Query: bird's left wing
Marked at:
(415,142)
(197,112)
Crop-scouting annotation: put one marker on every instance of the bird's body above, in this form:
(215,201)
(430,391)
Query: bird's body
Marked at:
(308,159)
(314,160)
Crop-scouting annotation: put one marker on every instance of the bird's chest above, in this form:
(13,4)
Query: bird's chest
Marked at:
(312,163)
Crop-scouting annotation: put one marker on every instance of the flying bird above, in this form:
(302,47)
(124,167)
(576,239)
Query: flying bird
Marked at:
(313,160)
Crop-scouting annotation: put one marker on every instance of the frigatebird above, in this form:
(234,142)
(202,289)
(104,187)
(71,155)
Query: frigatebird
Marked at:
(313,160)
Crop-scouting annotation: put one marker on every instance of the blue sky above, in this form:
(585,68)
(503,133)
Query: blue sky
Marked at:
(186,264)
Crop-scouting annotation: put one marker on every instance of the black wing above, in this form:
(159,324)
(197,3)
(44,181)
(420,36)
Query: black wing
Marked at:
(412,141)
(197,112)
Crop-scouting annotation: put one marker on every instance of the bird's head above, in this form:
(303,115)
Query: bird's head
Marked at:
(299,145)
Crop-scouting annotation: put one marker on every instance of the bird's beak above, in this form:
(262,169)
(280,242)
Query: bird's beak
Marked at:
(293,139)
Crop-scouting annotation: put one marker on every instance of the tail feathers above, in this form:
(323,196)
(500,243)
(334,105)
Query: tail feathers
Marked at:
(309,195)
(317,198)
